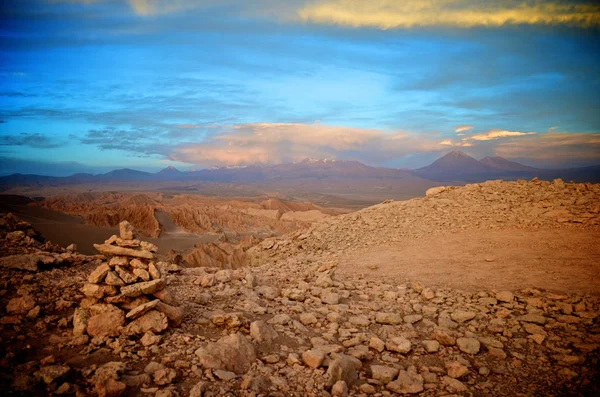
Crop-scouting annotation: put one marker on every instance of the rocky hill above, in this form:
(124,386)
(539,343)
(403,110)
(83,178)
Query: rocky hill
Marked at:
(300,325)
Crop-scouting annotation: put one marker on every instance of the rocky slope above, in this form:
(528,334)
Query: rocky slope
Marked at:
(296,327)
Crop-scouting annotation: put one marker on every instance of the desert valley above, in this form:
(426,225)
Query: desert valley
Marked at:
(487,288)
(302,198)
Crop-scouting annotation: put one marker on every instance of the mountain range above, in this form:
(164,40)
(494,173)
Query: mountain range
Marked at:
(455,166)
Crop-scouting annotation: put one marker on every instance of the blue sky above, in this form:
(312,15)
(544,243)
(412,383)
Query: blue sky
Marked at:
(89,86)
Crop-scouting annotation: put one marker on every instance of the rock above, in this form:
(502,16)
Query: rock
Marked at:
(136,380)
(367,389)
(383,373)
(150,339)
(224,375)
(398,344)
(444,337)
(138,264)
(413,318)
(456,370)
(533,318)
(126,275)
(147,246)
(428,294)
(198,389)
(80,321)
(97,276)
(118,261)
(52,373)
(72,248)
(20,305)
(164,376)
(174,313)
(267,292)
(339,389)
(388,318)
(141,309)
(146,287)
(231,353)
(126,231)
(153,321)
(142,274)
(360,321)
(106,380)
(505,296)
(343,368)
(121,251)
(262,332)
(377,344)
(468,345)
(106,324)
(408,382)
(112,278)
(461,316)
(153,271)
(313,358)
(431,346)
(435,191)
(152,367)
(330,298)
(454,384)
(165,296)
(28,262)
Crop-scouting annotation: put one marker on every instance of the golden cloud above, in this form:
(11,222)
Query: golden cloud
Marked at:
(497,134)
(389,14)
(462,128)
(287,142)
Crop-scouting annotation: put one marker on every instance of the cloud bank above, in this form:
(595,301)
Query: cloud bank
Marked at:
(389,14)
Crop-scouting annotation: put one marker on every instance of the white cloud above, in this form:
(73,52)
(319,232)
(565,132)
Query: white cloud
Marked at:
(462,128)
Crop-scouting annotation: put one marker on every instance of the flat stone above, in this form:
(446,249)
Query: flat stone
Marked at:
(112,278)
(153,271)
(146,287)
(141,309)
(97,276)
(377,344)
(122,251)
(52,373)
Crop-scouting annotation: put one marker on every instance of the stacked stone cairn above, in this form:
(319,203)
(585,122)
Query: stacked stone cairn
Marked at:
(126,295)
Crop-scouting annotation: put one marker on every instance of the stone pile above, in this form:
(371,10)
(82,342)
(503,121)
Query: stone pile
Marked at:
(126,294)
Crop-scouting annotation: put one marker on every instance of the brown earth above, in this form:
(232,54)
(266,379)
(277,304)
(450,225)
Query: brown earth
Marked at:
(554,260)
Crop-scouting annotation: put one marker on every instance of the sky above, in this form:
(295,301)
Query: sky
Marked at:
(94,85)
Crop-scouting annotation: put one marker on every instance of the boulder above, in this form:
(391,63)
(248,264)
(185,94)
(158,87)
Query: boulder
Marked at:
(230,353)
(262,332)
(343,368)
(153,320)
(146,287)
(106,324)
(20,305)
(97,276)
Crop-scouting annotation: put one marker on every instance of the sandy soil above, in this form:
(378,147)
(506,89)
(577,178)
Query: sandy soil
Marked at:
(553,260)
